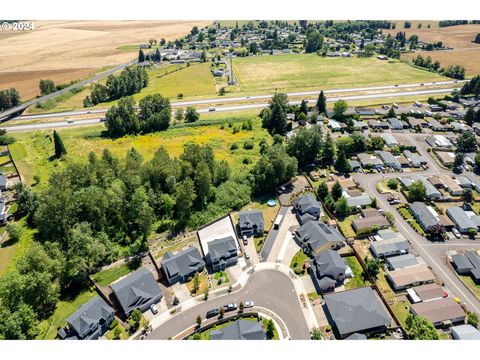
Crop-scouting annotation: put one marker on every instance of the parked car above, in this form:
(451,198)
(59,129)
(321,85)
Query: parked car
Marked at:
(456,233)
(245,240)
(230,307)
(154,309)
(247,255)
(248,304)
(212,313)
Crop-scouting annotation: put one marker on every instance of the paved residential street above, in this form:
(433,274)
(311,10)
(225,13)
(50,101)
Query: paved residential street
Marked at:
(270,289)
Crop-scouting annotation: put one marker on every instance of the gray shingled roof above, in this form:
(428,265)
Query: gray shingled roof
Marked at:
(316,234)
(87,318)
(423,215)
(305,202)
(356,310)
(461,219)
(402,261)
(240,330)
(329,263)
(465,332)
(250,219)
(183,263)
(221,248)
(136,290)
(391,245)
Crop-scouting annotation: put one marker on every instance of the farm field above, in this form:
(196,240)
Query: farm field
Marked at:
(32,150)
(67,50)
(459,37)
(309,71)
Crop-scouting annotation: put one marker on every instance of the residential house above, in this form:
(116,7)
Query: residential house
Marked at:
(334,125)
(390,247)
(327,269)
(395,124)
(316,237)
(432,192)
(251,223)
(357,310)
(222,253)
(425,215)
(474,179)
(307,207)
(450,185)
(446,157)
(390,140)
(360,125)
(424,293)
(360,200)
(388,159)
(138,290)
(355,165)
(91,320)
(401,261)
(412,276)
(441,312)
(182,266)
(415,159)
(369,161)
(436,125)
(464,220)
(240,330)
(467,264)
(366,224)
(465,332)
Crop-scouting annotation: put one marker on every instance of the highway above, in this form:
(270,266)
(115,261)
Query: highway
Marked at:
(73,122)
(221,100)
(18,109)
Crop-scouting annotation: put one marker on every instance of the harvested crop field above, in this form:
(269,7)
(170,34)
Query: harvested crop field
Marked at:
(75,48)
(460,37)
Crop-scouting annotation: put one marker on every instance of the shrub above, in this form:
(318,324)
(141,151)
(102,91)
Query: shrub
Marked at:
(113,324)
(246,161)
(392,184)
(248,145)
(234,146)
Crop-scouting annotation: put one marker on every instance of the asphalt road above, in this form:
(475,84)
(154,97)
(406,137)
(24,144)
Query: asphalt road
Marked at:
(432,253)
(270,289)
(17,109)
(243,98)
(59,124)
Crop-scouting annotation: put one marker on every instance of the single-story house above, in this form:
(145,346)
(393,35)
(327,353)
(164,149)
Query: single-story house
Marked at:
(369,161)
(395,124)
(357,310)
(424,215)
(355,165)
(181,266)
(91,320)
(363,111)
(432,191)
(462,264)
(390,140)
(475,180)
(240,330)
(450,185)
(388,159)
(361,200)
(374,124)
(415,159)
(464,220)
(334,125)
(412,276)
(139,290)
(327,269)
(465,332)
(363,224)
(251,223)
(317,237)
(401,261)
(435,125)
(424,293)
(389,247)
(441,312)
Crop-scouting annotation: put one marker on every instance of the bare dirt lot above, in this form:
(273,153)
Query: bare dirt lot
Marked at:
(459,37)
(68,50)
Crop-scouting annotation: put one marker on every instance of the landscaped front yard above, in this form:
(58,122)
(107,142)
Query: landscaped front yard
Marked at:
(297,262)
(202,284)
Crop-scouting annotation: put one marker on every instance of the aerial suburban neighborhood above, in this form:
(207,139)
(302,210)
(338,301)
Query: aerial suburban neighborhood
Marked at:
(240,180)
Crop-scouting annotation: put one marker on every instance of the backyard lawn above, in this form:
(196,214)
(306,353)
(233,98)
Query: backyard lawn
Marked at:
(110,335)
(203,284)
(310,71)
(357,280)
(346,226)
(65,308)
(106,277)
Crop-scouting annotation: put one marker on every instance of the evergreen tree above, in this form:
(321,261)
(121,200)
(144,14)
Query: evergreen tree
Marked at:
(60,149)
(470,116)
(141,56)
(321,105)
(341,207)
(322,190)
(336,191)
(327,154)
(341,163)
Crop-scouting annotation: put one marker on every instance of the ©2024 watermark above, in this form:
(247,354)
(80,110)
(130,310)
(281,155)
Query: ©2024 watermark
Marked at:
(16,25)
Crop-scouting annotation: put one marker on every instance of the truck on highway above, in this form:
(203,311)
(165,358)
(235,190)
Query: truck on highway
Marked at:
(277,222)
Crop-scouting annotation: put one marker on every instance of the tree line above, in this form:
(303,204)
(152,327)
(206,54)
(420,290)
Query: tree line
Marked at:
(471,87)
(130,81)
(453,71)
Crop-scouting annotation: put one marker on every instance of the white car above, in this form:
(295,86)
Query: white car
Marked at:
(247,255)
(248,304)
(154,309)
(456,233)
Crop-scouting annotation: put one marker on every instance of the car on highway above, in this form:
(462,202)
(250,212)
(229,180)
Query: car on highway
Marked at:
(456,233)
(70,122)
(154,309)
(211,109)
(245,240)
(248,304)
(212,313)
(230,307)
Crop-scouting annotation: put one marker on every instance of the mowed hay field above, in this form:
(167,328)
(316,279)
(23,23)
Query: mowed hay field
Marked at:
(167,80)
(459,37)
(310,71)
(32,150)
(68,47)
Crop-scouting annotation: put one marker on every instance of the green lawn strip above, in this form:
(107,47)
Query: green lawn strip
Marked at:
(205,335)
(275,331)
(346,226)
(110,335)
(9,253)
(357,280)
(65,308)
(401,310)
(313,296)
(223,274)
(470,284)
(259,241)
(106,277)
(297,262)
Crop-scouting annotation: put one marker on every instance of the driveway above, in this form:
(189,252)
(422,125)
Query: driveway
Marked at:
(270,289)
(284,236)
(272,236)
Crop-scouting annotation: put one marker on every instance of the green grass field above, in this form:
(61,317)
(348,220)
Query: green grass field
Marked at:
(106,277)
(32,150)
(48,328)
(357,280)
(310,71)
